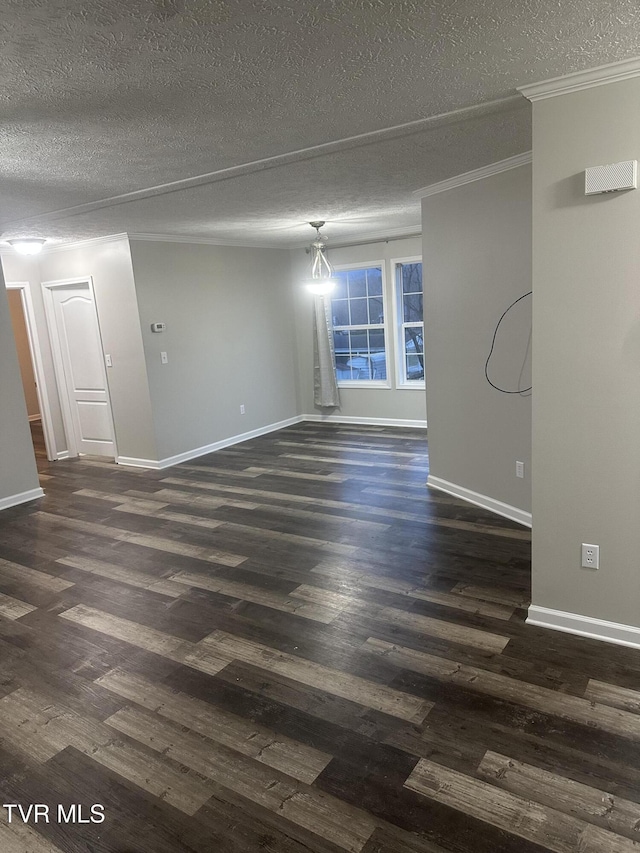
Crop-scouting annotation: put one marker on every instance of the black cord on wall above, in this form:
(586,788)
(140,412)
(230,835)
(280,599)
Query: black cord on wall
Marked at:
(493,343)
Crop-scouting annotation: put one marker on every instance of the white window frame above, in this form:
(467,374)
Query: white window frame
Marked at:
(371,383)
(402,383)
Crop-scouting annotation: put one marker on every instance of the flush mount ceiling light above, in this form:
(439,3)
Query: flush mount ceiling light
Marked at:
(322,280)
(27,245)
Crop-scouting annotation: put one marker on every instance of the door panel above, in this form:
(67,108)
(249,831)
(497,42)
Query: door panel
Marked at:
(83,344)
(94,420)
(83,366)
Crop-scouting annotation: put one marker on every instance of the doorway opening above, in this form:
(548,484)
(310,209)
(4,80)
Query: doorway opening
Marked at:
(31,369)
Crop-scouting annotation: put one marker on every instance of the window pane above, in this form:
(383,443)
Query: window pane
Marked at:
(342,347)
(342,369)
(376,311)
(376,340)
(411,278)
(341,342)
(379,366)
(374,281)
(359,316)
(360,367)
(357,283)
(412,307)
(414,353)
(377,355)
(340,291)
(340,310)
(359,343)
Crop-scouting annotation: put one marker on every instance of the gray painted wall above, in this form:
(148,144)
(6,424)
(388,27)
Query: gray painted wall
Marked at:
(109,264)
(586,418)
(229,340)
(477,260)
(388,403)
(17,460)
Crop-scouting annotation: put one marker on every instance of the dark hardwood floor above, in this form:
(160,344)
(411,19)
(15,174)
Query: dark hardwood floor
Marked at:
(294,646)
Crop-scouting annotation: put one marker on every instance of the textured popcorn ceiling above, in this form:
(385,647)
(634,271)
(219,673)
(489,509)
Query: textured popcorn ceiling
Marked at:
(236,120)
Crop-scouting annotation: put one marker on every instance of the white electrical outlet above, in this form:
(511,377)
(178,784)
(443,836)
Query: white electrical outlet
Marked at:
(242,408)
(519,469)
(164,358)
(590,556)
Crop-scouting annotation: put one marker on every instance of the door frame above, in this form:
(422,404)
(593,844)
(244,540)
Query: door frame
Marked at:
(56,348)
(24,288)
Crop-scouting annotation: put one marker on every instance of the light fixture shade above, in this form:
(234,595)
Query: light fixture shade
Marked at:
(27,245)
(320,286)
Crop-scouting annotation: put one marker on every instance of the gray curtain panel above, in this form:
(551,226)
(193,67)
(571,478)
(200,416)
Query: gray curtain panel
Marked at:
(325,384)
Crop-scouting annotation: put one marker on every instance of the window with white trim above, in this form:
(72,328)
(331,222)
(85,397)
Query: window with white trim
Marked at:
(409,295)
(359,337)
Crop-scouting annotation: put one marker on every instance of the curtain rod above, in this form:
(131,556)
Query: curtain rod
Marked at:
(375,240)
(333,246)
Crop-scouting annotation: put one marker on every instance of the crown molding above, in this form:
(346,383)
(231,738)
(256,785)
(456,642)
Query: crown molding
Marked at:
(380,236)
(614,72)
(476,175)
(82,244)
(385,236)
(204,241)
(372,237)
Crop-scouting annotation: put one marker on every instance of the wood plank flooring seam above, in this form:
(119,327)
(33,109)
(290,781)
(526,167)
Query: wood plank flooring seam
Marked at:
(216,651)
(504,687)
(291,757)
(552,829)
(323,814)
(591,805)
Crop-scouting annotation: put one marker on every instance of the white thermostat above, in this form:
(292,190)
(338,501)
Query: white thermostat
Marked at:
(158,327)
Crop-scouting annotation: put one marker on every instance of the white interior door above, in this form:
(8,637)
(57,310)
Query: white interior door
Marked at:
(82,367)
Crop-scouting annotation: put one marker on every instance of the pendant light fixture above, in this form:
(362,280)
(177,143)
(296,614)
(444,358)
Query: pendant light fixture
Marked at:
(322,280)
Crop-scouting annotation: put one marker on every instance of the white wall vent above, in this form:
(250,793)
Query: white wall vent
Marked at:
(611,178)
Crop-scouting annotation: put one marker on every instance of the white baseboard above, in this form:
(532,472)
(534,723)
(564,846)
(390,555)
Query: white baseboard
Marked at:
(136,462)
(64,454)
(505,510)
(159,464)
(34,418)
(21,498)
(584,626)
(348,419)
